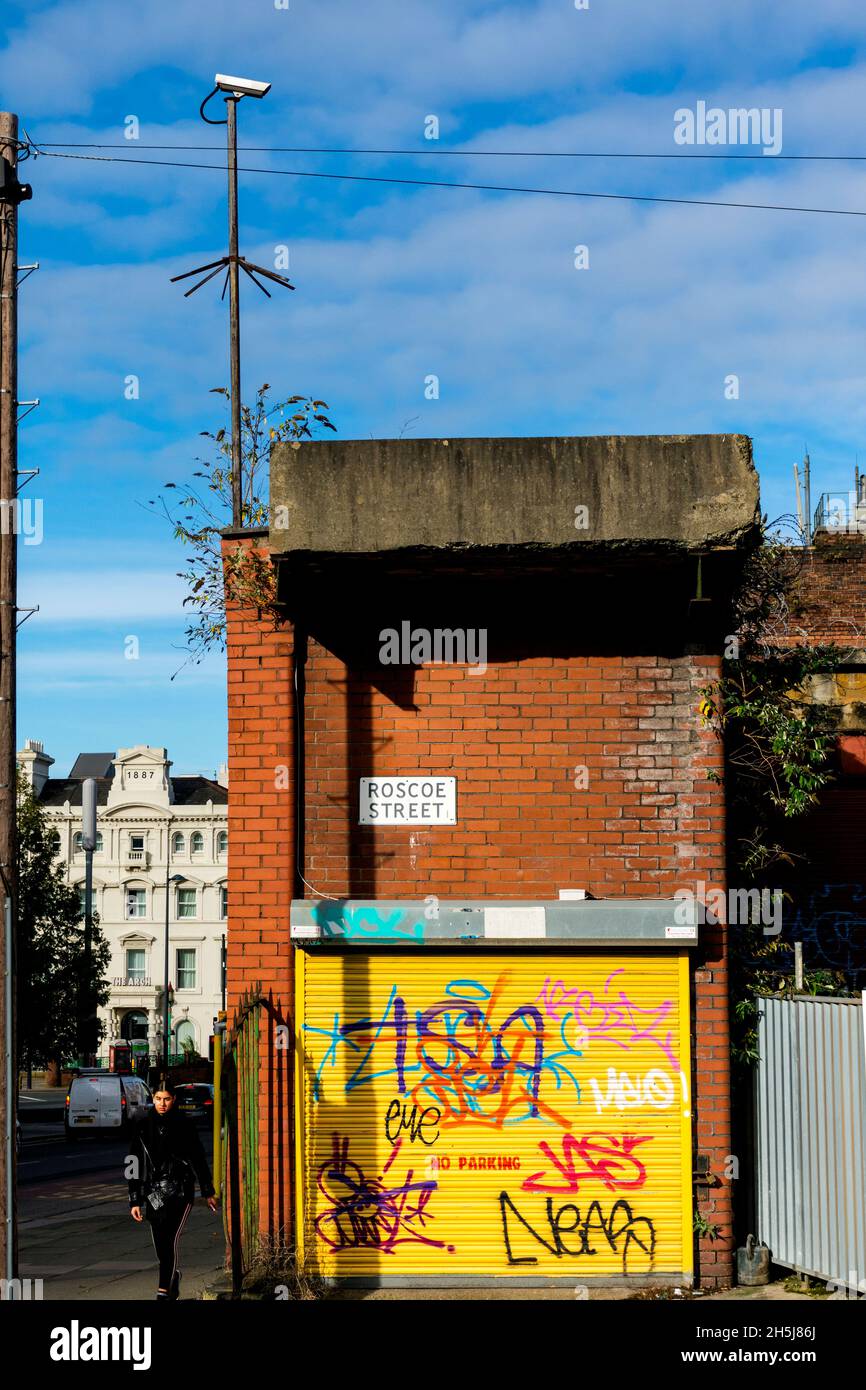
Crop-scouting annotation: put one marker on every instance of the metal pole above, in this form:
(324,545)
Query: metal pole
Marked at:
(799,501)
(234,311)
(165,981)
(88,1031)
(798,966)
(217,1110)
(8,618)
(87,1026)
(807,488)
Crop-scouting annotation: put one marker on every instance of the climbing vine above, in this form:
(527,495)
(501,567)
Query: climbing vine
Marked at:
(778,746)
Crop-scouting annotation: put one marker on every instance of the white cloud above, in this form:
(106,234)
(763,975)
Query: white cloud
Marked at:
(86,597)
(414,55)
(43,671)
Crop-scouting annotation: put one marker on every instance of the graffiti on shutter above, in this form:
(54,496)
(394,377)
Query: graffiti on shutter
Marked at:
(523,1115)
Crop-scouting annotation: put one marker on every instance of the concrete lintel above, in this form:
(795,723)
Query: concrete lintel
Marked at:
(459,496)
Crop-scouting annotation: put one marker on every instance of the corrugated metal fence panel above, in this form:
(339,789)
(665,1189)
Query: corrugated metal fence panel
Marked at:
(777,1132)
(486,1116)
(811,1136)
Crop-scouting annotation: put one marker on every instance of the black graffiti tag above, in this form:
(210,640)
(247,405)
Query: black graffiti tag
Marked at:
(626,1234)
(400,1117)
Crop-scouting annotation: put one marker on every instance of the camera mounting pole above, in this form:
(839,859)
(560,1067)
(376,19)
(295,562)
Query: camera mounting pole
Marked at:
(235,89)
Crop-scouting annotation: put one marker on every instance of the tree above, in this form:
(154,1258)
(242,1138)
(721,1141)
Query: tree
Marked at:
(55,991)
(203,510)
(778,745)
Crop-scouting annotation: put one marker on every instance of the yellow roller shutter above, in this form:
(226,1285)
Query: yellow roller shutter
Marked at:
(519,1115)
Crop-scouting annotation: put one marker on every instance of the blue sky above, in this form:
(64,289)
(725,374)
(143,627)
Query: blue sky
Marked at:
(395,284)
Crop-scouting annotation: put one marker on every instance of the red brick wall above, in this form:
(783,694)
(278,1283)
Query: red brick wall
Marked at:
(261,825)
(826,880)
(829,601)
(261,816)
(647,822)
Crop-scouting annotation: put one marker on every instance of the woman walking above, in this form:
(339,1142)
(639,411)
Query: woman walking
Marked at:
(166,1158)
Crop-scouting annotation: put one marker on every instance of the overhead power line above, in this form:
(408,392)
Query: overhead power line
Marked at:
(478,187)
(432,149)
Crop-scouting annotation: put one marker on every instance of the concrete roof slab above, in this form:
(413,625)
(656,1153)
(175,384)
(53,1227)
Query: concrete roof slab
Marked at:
(366,497)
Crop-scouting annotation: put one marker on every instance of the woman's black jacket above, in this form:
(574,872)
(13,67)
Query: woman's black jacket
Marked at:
(167,1145)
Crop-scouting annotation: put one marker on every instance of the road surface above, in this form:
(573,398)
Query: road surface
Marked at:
(75,1232)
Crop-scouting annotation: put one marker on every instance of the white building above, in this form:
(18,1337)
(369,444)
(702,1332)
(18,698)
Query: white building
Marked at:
(152,828)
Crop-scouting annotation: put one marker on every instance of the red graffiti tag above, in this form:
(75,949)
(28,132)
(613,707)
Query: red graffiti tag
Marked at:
(607,1158)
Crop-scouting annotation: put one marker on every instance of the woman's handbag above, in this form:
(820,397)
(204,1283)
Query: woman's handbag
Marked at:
(169,1185)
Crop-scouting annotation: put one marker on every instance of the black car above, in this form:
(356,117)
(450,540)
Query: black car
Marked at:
(195,1100)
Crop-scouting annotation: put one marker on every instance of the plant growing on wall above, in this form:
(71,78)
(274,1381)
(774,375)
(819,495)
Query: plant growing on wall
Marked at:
(202,508)
(778,745)
(704,1228)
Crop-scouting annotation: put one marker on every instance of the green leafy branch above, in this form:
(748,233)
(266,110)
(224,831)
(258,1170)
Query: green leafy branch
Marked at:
(778,744)
(202,510)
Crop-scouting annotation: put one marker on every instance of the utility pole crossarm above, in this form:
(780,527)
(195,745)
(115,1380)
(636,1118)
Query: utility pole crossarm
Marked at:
(214,268)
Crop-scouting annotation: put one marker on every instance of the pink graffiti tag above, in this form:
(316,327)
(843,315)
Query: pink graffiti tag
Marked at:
(608,1158)
(618,1021)
(365,1212)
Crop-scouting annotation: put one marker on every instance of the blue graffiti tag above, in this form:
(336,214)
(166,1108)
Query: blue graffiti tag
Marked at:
(340,922)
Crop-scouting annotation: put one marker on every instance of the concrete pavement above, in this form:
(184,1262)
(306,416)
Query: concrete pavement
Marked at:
(76,1234)
(774,1291)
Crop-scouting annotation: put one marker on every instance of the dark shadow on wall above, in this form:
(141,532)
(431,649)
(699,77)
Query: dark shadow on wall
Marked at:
(338,1158)
(631,607)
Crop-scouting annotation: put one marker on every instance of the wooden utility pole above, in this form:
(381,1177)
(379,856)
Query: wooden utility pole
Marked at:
(8,620)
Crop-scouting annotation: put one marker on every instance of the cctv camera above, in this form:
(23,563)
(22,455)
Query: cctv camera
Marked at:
(241,86)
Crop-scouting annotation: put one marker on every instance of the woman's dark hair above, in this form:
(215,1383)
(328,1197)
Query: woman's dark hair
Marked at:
(165,1083)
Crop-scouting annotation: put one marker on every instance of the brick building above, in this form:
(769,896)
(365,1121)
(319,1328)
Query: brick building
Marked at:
(468,774)
(827,881)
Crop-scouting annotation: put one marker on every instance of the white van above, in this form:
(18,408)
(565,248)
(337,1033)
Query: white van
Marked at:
(104,1100)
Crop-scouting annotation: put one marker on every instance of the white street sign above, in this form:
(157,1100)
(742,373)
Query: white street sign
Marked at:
(400,801)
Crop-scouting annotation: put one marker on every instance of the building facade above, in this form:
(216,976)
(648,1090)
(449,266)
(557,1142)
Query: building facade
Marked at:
(158,837)
(827,878)
(471,790)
